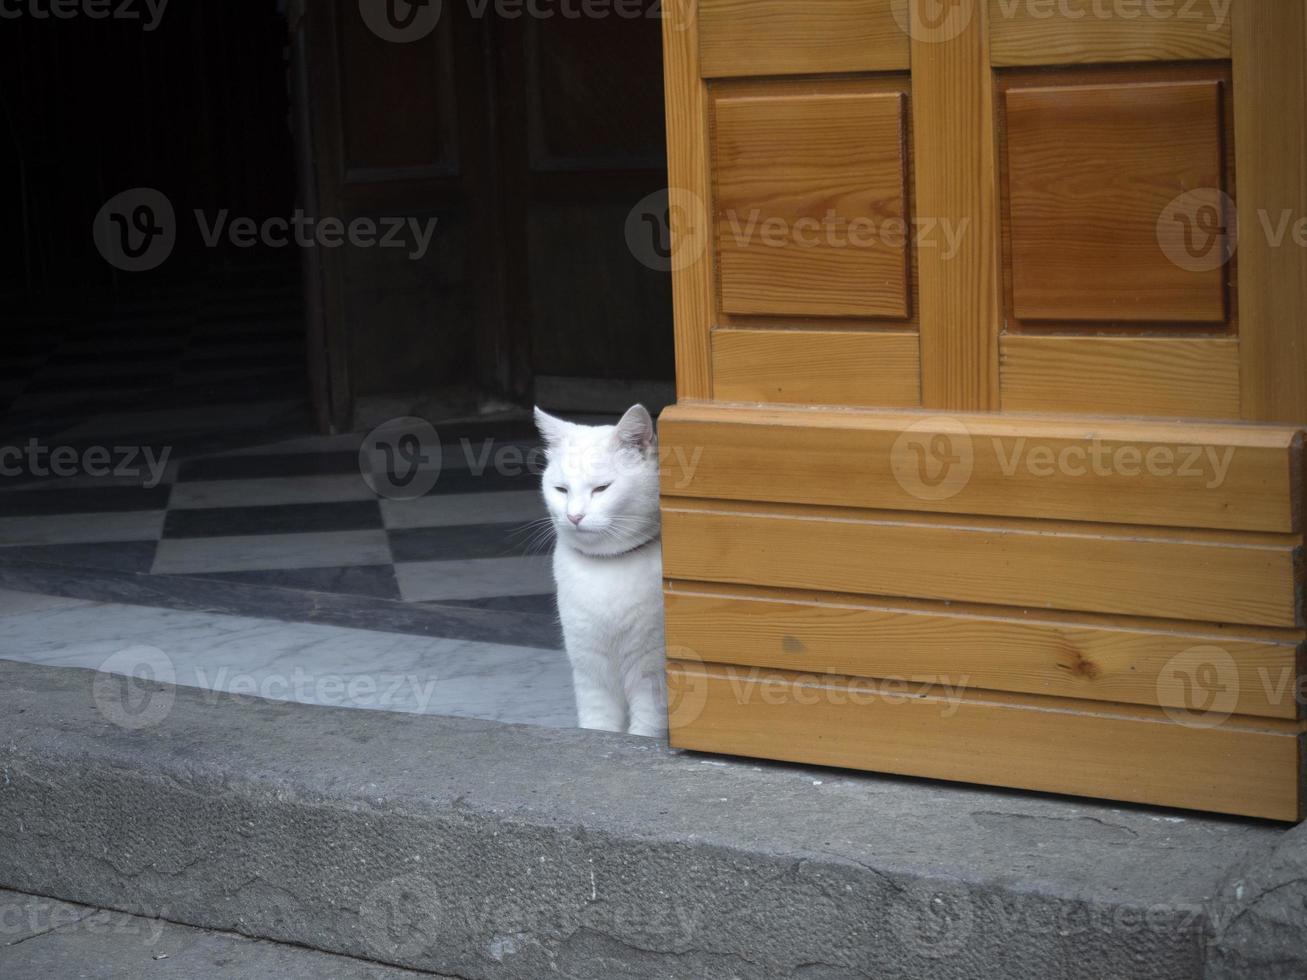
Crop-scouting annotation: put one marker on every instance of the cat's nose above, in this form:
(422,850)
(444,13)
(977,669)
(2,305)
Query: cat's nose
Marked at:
(576,518)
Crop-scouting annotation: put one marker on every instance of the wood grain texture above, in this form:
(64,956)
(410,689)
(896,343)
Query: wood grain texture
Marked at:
(817,367)
(1270,117)
(1180,378)
(1092,170)
(1189,575)
(1023,33)
(689,191)
(781,37)
(1140,756)
(1231,477)
(811,203)
(958,183)
(1060,656)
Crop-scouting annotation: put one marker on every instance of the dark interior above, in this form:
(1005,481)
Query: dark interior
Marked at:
(528,140)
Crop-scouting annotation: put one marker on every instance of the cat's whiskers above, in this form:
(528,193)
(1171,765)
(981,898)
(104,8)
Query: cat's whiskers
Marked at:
(542,542)
(534,537)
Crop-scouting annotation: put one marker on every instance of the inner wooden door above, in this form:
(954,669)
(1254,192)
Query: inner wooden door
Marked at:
(992,368)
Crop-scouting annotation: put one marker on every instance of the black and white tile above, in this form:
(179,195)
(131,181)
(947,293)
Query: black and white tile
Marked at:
(251,509)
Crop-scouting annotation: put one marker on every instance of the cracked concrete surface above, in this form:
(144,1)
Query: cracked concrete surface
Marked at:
(478,850)
(95,944)
(1259,918)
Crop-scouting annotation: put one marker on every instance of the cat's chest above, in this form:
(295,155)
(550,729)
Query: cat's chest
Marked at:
(609,586)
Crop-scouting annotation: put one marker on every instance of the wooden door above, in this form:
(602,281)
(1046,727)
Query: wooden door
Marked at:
(580,113)
(992,367)
(392,125)
(528,140)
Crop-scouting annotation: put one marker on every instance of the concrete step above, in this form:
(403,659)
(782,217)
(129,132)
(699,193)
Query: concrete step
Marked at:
(43,939)
(479,850)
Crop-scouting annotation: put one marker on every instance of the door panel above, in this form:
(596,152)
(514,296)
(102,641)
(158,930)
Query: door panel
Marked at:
(1118,234)
(414,137)
(1087,168)
(1186,378)
(780,37)
(798,175)
(1021,35)
(583,145)
(395,135)
(1069,497)
(807,367)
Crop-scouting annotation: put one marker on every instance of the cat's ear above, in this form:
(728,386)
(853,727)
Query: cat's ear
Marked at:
(552,430)
(636,430)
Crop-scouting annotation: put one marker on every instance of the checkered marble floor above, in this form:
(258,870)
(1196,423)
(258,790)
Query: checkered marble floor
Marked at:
(247,496)
(300,515)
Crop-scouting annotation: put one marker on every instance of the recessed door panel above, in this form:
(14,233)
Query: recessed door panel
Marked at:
(811,203)
(1094,173)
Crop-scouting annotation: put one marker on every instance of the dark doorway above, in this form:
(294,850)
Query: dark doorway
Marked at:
(124,140)
(527,144)
(528,140)
(196,290)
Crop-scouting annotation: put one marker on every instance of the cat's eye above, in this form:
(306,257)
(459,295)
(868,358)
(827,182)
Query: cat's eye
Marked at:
(601,489)
(561,489)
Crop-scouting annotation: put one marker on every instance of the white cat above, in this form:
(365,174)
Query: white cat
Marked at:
(601,488)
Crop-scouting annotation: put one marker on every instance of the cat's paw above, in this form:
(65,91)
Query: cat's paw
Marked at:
(649,731)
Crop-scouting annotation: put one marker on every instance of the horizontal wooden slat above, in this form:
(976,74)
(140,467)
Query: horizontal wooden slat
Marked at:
(1191,378)
(836,367)
(1231,477)
(1096,659)
(781,37)
(1209,576)
(985,738)
(1038,33)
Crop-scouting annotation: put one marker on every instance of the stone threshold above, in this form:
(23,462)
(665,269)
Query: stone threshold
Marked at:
(44,938)
(476,850)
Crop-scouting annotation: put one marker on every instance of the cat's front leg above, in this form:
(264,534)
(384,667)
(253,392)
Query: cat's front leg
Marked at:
(647,695)
(600,702)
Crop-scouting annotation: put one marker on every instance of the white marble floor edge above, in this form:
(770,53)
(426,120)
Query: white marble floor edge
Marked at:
(309,663)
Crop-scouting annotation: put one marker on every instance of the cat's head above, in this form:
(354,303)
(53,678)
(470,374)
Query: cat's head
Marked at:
(601,482)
